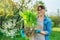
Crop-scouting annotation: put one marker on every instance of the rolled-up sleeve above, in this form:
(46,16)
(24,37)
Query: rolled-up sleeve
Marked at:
(48,27)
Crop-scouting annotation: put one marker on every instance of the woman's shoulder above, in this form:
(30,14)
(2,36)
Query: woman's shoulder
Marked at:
(47,19)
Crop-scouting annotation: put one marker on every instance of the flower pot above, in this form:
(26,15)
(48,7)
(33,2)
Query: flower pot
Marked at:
(29,31)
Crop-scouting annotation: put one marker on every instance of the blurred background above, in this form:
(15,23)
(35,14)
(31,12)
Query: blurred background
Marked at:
(10,20)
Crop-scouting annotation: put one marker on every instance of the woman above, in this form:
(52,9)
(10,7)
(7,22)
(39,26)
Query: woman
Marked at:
(43,25)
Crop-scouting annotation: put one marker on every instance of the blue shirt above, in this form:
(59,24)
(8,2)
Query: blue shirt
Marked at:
(47,27)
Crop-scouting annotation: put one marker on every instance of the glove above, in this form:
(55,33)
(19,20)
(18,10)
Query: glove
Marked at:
(37,31)
(22,33)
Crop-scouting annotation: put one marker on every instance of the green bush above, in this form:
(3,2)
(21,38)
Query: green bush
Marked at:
(55,21)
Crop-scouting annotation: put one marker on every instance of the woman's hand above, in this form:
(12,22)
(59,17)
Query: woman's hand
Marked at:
(41,32)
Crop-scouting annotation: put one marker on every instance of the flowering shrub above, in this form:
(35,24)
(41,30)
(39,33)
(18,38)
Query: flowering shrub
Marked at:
(9,28)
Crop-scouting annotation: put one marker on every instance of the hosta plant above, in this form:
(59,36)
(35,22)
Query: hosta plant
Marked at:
(29,18)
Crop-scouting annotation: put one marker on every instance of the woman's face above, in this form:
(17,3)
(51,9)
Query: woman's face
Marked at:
(41,11)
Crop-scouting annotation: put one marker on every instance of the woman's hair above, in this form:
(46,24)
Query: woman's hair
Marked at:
(40,6)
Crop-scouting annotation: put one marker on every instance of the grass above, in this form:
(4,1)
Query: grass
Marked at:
(15,38)
(55,35)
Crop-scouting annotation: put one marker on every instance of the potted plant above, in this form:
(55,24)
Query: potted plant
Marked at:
(30,23)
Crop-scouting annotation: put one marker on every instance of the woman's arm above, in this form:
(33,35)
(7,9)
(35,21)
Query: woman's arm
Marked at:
(48,29)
